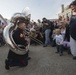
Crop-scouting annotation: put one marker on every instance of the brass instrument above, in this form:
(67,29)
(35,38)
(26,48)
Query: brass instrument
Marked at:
(32,36)
(8,32)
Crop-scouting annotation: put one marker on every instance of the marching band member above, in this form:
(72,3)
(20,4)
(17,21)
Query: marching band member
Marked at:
(14,59)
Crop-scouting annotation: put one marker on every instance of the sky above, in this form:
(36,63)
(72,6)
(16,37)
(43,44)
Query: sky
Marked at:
(38,8)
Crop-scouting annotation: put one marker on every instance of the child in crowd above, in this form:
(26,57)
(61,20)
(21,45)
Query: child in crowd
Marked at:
(59,41)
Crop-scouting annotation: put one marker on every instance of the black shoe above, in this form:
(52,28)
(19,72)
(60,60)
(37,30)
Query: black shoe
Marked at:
(6,65)
(56,52)
(74,58)
(28,58)
(44,45)
(61,54)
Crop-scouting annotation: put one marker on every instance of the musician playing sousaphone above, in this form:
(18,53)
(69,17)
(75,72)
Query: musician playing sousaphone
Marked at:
(14,59)
(17,57)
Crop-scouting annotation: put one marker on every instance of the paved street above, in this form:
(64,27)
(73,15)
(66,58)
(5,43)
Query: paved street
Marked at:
(44,61)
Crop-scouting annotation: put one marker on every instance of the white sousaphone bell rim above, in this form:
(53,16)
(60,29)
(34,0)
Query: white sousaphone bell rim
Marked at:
(26,14)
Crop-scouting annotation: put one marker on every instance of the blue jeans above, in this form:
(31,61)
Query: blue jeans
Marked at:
(59,48)
(47,36)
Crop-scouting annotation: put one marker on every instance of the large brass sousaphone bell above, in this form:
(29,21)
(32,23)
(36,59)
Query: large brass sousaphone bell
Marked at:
(8,31)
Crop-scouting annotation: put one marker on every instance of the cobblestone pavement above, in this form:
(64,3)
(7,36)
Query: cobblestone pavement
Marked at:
(44,61)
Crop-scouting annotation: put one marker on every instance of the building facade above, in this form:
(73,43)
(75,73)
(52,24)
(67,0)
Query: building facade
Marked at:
(65,13)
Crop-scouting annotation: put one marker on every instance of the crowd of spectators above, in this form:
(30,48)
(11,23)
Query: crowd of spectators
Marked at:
(51,33)
(44,32)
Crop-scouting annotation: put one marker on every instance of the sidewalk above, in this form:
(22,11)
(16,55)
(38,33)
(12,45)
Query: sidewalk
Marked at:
(44,61)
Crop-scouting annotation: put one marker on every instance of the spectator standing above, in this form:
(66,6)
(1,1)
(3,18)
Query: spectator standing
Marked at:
(73,30)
